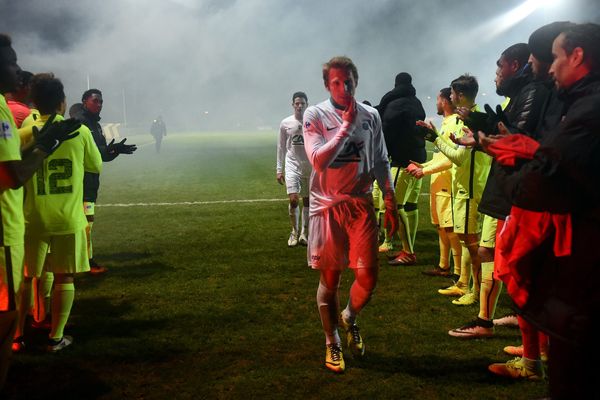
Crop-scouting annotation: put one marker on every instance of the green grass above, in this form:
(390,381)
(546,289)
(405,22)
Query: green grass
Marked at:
(207,301)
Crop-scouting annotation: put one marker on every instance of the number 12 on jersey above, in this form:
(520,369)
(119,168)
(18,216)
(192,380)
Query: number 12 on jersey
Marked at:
(64,171)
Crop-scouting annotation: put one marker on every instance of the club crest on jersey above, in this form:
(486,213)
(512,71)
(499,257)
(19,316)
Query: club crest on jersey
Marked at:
(307,124)
(350,152)
(298,140)
(5,131)
(366,125)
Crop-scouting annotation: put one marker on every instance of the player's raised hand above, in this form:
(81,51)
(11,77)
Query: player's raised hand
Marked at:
(487,140)
(280,178)
(429,129)
(52,134)
(415,169)
(467,139)
(349,114)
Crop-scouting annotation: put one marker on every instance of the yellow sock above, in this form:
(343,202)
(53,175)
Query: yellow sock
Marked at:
(444,248)
(403,231)
(465,266)
(23,306)
(490,291)
(412,217)
(42,290)
(62,301)
(475,267)
(456,251)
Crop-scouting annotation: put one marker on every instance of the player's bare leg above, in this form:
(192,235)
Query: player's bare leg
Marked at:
(365,280)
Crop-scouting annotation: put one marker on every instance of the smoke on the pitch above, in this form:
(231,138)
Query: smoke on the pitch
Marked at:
(232,64)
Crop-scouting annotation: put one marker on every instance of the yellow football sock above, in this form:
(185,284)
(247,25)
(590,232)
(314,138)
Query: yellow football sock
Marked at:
(444,248)
(465,266)
(490,291)
(62,301)
(456,251)
(23,306)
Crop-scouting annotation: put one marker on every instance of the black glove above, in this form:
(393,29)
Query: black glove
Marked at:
(495,117)
(486,122)
(53,133)
(429,134)
(121,147)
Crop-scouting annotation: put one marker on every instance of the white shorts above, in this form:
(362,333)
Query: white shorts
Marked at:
(344,235)
(296,182)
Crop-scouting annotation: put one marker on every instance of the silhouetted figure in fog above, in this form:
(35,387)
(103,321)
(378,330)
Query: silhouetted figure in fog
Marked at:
(158,130)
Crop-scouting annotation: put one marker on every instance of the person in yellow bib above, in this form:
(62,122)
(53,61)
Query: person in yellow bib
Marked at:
(55,223)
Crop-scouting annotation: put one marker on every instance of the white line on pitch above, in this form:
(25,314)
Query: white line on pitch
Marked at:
(190,203)
(197,203)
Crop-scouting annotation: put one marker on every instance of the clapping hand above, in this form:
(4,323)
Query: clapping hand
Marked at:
(121,147)
(52,134)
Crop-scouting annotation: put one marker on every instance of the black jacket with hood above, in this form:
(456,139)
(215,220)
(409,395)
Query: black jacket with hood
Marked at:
(400,110)
(523,112)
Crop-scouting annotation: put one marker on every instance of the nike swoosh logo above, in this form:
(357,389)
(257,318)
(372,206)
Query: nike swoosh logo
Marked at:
(329,129)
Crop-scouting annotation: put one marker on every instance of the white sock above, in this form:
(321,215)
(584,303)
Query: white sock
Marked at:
(359,297)
(328,303)
(294,216)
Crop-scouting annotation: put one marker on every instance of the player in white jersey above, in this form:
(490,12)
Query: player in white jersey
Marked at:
(345,145)
(290,151)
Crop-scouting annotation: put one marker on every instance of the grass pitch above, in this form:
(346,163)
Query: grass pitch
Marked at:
(204,299)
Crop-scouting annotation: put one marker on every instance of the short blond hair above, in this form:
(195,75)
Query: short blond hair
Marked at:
(341,62)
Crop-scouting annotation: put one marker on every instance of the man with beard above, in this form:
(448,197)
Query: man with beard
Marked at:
(557,181)
(515,81)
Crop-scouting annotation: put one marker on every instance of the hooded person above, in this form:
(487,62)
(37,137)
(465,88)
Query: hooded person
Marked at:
(400,109)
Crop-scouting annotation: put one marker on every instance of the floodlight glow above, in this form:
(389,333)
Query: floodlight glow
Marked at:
(502,23)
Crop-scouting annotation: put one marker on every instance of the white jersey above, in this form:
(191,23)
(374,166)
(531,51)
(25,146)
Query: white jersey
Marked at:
(291,147)
(345,161)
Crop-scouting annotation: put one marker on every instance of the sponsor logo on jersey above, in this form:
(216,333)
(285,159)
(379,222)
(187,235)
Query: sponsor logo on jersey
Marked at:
(5,131)
(298,140)
(350,152)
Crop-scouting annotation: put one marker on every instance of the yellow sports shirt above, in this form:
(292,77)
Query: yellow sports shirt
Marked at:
(12,228)
(54,195)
